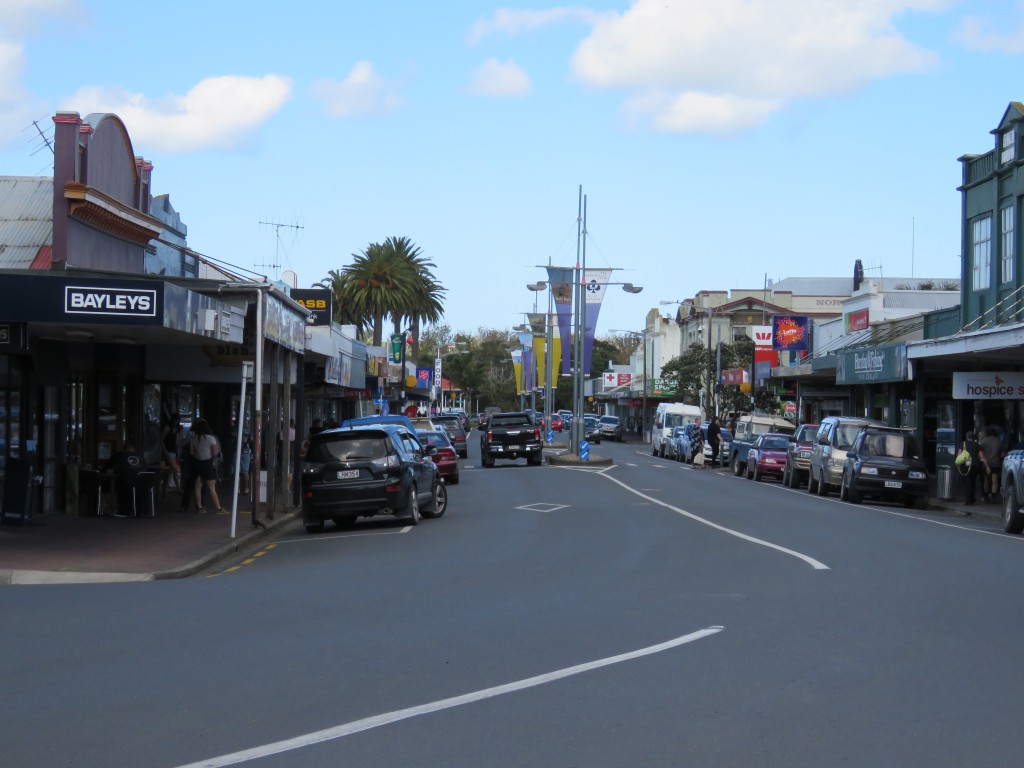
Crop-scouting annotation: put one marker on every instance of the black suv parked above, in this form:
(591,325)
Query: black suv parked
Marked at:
(369,470)
(885,463)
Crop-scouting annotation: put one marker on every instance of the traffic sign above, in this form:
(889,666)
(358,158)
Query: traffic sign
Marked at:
(551,435)
(584,450)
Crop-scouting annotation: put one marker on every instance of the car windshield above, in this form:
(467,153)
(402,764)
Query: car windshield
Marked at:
(673,419)
(846,434)
(775,444)
(435,439)
(609,419)
(589,422)
(348,448)
(509,421)
(892,445)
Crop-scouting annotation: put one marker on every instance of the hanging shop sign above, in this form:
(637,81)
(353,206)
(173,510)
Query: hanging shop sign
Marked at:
(871,364)
(317,301)
(988,385)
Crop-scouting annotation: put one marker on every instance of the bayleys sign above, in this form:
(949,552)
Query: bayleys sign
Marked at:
(124,302)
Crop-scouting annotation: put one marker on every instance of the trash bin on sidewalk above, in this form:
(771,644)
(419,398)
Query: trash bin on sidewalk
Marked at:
(944,482)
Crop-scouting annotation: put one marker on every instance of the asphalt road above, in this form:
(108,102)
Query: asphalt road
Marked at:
(643,615)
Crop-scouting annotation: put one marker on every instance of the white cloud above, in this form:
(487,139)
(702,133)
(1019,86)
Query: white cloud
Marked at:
(497,78)
(511,22)
(975,33)
(736,62)
(217,112)
(18,19)
(363,92)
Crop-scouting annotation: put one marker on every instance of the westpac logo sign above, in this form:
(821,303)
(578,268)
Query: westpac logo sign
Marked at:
(762,336)
(127,302)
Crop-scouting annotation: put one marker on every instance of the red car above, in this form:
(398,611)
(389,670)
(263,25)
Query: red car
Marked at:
(446,459)
(556,422)
(767,456)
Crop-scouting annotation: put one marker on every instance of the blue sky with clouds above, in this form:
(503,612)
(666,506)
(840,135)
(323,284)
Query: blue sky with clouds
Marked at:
(716,142)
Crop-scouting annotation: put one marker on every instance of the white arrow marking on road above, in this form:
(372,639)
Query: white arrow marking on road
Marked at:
(356,726)
(817,565)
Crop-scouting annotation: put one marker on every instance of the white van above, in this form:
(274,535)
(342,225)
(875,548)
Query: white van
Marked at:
(666,418)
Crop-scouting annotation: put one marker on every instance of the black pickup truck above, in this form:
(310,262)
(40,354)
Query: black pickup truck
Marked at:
(511,436)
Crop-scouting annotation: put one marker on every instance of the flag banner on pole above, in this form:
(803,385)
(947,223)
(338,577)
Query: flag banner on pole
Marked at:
(536,325)
(540,355)
(517,367)
(529,369)
(525,339)
(561,281)
(594,289)
(556,352)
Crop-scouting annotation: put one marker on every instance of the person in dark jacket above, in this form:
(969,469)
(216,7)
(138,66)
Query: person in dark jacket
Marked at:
(972,447)
(715,439)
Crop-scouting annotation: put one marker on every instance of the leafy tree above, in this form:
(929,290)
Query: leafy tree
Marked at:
(424,300)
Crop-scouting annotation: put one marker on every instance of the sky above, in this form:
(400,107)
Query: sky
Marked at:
(716,144)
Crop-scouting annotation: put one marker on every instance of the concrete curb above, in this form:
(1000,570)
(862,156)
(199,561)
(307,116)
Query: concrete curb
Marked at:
(227,550)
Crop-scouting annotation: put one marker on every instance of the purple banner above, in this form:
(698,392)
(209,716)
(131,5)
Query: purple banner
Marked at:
(561,281)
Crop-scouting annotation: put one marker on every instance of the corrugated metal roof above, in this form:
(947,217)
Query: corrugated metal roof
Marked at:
(26,219)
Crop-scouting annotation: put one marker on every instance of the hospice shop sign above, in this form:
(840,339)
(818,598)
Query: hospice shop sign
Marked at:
(988,385)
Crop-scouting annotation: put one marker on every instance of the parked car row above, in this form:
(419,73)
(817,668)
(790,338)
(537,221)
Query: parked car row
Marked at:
(861,458)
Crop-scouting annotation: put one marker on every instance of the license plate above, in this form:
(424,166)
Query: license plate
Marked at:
(893,484)
(348,474)
(513,447)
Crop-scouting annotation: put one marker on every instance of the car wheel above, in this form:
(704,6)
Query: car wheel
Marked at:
(487,461)
(756,474)
(654,450)
(440,502)
(315,527)
(736,468)
(921,502)
(811,487)
(661,451)
(1013,520)
(822,484)
(852,495)
(453,480)
(412,508)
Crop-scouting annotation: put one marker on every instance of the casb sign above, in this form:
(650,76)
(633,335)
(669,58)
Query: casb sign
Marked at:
(988,385)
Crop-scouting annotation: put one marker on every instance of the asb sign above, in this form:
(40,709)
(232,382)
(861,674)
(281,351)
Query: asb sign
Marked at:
(317,301)
(988,385)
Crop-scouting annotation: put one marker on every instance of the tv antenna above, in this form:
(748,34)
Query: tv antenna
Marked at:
(277,248)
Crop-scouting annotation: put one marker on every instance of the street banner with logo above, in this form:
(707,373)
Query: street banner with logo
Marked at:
(423,378)
(529,369)
(988,385)
(560,279)
(595,286)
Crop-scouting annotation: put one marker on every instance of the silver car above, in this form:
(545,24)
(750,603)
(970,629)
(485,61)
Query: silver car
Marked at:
(833,439)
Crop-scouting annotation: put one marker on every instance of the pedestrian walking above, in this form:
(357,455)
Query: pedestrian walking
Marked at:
(171,434)
(992,453)
(205,451)
(696,437)
(970,477)
(715,439)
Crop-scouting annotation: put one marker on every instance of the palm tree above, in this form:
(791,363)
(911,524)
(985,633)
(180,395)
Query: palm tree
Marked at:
(424,302)
(377,284)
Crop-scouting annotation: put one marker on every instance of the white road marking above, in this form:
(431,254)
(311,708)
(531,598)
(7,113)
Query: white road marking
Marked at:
(542,506)
(329,537)
(816,564)
(376,721)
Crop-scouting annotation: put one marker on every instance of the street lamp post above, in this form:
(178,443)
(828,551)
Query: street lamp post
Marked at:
(643,406)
